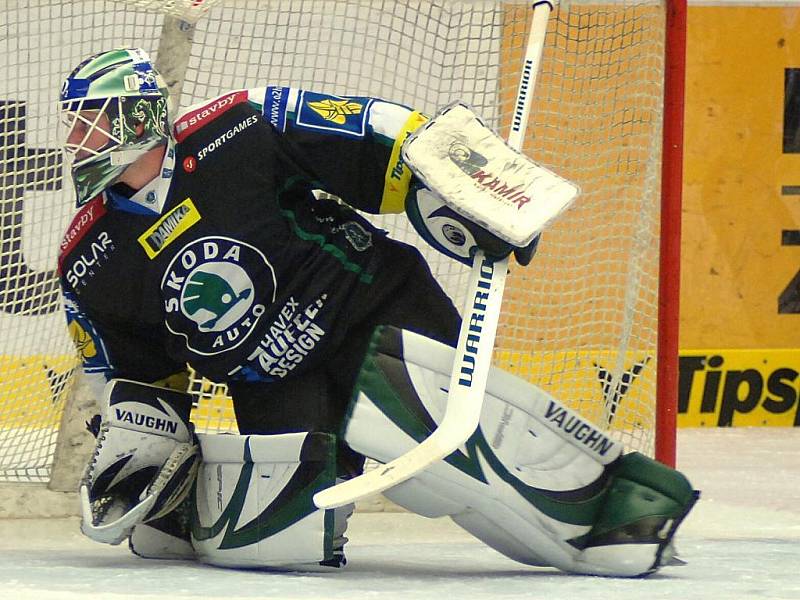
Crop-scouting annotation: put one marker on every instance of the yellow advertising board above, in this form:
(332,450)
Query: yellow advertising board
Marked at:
(717,388)
(720,388)
(39,384)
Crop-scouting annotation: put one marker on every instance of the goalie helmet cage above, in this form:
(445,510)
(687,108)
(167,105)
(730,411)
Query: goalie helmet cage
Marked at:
(593,319)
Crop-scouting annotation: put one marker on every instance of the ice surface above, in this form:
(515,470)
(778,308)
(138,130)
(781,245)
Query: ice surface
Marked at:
(741,542)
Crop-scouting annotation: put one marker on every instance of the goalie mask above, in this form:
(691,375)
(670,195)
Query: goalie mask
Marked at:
(115,107)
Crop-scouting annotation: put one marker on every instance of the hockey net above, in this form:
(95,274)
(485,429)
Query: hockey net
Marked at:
(582,321)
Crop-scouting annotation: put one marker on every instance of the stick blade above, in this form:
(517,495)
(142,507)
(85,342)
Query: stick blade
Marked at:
(441,442)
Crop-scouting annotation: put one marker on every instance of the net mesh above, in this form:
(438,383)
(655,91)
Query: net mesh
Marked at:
(580,321)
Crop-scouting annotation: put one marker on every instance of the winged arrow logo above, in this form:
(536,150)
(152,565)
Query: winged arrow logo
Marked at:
(336,111)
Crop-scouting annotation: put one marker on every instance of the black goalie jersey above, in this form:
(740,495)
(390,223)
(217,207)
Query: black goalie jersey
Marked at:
(229,260)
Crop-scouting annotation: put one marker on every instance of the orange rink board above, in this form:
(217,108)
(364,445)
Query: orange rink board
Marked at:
(738,200)
(565,314)
(735,262)
(581,156)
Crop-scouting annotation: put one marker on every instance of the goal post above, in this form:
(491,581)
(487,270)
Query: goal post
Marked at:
(593,319)
(670,235)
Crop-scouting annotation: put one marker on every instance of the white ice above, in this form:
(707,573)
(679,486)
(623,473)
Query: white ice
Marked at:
(742,541)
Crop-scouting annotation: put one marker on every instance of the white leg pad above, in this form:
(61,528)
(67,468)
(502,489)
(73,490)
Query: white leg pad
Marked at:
(533,481)
(254,503)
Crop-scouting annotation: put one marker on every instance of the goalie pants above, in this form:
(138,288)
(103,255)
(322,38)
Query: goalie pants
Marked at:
(403,294)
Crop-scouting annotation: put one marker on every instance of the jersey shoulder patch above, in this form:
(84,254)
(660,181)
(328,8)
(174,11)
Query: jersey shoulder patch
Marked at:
(84,220)
(337,115)
(198,115)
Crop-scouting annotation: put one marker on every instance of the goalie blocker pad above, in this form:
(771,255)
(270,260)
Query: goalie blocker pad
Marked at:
(472,170)
(536,481)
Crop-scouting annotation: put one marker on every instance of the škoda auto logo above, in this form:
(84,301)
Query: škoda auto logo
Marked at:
(214,292)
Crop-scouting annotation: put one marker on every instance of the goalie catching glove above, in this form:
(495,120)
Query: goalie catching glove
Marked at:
(144,463)
(479,193)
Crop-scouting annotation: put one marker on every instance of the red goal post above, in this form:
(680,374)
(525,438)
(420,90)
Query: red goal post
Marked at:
(594,318)
(670,246)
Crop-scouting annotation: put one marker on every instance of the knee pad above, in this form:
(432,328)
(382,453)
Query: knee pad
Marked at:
(254,507)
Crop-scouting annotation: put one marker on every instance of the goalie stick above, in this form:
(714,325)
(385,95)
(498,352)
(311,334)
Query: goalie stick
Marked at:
(470,372)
